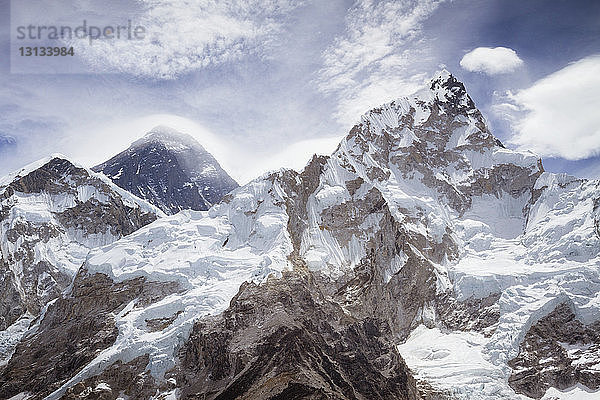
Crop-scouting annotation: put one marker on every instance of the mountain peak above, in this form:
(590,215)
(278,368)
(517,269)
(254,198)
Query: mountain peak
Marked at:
(433,133)
(427,114)
(7,179)
(171,170)
(447,89)
(166,131)
(442,75)
(171,138)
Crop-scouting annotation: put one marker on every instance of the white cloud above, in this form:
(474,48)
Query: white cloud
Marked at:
(187,35)
(558,116)
(379,57)
(492,61)
(295,156)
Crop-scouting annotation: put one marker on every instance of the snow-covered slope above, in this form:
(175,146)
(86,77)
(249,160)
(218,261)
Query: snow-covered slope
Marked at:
(52,213)
(421,230)
(170,170)
(529,238)
(209,254)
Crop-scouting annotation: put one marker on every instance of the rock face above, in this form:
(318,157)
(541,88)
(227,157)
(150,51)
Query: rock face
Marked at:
(170,170)
(304,347)
(74,330)
(558,351)
(52,213)
(411,263)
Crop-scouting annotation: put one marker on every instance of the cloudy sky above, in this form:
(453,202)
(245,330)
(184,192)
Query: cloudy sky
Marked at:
(264,84)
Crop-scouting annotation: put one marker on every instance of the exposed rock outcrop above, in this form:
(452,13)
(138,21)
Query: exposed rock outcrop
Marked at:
(285,340)
(130,379)
(558,351)
(73,331)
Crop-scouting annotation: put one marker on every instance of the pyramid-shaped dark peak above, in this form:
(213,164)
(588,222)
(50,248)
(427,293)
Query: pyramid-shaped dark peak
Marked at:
(171,170)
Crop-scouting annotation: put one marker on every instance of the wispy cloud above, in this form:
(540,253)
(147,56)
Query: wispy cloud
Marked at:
(558,115)
(182,36)
(491,61)
(379,57)
(6,141)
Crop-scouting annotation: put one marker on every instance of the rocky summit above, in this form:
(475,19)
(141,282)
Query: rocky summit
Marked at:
(170,170)
(421,260)
(52,213)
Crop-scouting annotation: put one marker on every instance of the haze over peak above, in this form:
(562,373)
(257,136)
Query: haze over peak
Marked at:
(169,136)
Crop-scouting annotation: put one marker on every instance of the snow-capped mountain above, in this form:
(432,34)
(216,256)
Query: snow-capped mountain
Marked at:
(170,170)
(421,260)
(52,213)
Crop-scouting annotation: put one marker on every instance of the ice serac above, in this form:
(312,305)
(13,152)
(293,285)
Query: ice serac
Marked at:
(170,170)
(51,214)
(422,259)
